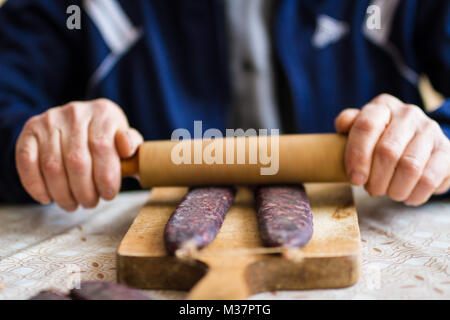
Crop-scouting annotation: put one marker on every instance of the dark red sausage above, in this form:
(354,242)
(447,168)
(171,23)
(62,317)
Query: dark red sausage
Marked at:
(50,295)
(198,218)
(100,290)
(284,215)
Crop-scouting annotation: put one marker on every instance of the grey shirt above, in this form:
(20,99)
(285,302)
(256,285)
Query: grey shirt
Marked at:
(253,102)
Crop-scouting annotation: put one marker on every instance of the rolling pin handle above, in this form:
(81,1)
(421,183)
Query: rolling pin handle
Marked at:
(130,167)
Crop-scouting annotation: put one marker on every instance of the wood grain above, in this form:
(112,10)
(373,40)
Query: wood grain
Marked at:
(294,158)
(235,265)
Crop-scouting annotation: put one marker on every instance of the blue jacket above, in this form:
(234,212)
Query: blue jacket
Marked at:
(166,62)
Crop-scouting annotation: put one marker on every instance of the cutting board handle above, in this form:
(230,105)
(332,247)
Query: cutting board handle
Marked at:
(223,281)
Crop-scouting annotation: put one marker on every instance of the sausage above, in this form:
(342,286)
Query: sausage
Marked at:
(50,295)
(197,219)
(100,290)
(94,290)
(284,215)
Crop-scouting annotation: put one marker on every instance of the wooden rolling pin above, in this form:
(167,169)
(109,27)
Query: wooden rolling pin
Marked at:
(301,158)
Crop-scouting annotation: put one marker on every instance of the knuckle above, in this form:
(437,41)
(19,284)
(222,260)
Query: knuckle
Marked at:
(388,150)
(385,98)
(365,124)
(412,165)
(103,101)
(73,111)
(32,123)
(108,181)
(103,105)
(100,144)
(445,148)
(355,157)
(49,119)
(24,156)
(52,166)
(412,111)
(432,125)
(428,181)
(109,108)
(77,161)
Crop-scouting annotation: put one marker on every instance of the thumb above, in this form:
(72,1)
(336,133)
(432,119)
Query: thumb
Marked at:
(345,120)
(127,142)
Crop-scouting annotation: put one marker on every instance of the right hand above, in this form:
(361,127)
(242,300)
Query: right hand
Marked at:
(71,154)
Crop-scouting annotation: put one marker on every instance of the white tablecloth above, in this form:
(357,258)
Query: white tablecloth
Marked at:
(405,251)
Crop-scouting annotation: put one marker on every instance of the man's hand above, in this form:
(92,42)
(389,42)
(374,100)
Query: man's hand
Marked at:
(395,149)
(71,154)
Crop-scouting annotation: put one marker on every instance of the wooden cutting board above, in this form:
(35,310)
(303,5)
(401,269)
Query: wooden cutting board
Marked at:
(235,265)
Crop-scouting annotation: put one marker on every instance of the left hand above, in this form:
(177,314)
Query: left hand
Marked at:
(395,149)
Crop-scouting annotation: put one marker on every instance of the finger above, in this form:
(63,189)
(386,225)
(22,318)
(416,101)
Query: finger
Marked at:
(127,142)
(445,146)
(410,166)
(389,150)
(27,163)
(444,187)
(106,161)
(363,136)
(388,100)
(345,120)
(52,168)
(79,164)
(430,180)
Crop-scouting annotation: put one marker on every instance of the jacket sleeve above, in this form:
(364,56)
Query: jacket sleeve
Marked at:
(433,45)
(36,72)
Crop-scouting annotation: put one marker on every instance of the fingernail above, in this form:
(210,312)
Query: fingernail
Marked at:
(45,202)
(109,194)
(357,178)
(71,207)
(129,139)
(410,204)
